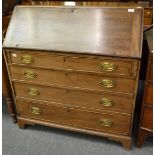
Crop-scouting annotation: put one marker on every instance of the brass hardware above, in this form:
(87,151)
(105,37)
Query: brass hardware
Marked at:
(106,102)
(33,91)
(35,110)
(105,122)
(148,12)
(109,67)
(107,83)
(27,59)
(30,74)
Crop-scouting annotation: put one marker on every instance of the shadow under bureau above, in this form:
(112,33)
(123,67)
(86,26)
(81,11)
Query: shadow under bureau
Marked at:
(75,68)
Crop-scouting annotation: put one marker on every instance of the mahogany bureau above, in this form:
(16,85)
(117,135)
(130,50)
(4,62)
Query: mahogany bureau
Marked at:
(75,68)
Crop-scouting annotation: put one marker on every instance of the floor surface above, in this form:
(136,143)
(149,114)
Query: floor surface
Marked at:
(40,140)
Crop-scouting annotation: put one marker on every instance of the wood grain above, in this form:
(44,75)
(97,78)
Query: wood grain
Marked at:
(125,140)
(147,120)
(86,63)
(82,99)
(68,46)
(7,92)
(149,95)
(77,30)
(75,117)
(147,21)
(75,80)
(148,12)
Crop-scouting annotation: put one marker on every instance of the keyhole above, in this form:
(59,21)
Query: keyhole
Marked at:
(64,59)
(66,74)
(68,110)
(67,91)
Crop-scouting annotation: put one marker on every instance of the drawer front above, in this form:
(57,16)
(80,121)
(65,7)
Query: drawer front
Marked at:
(75,62)
(75,117)
(149,94)
(93,100)
(147,121)
(147,21)
(78,80)
(147,12)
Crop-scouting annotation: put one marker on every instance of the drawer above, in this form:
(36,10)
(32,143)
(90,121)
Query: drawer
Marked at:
(147,119)
(147,12)
(75,79)
(85,99)
(76,62)
(74,117)
(147,21)
(149,94)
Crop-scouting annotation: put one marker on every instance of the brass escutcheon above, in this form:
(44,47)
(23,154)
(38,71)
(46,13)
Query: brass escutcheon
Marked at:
(109,67)
(30,74)
(107,83)
(106,102)
(35,110)
(27,59)
(33,91)
(105,122)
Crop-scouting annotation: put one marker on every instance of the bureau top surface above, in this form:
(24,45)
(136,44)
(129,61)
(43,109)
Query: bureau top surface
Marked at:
(100,31)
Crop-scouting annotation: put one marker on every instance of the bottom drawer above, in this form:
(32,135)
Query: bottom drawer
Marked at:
(75,117)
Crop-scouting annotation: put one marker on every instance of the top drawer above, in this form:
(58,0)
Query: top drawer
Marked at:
(89,63)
